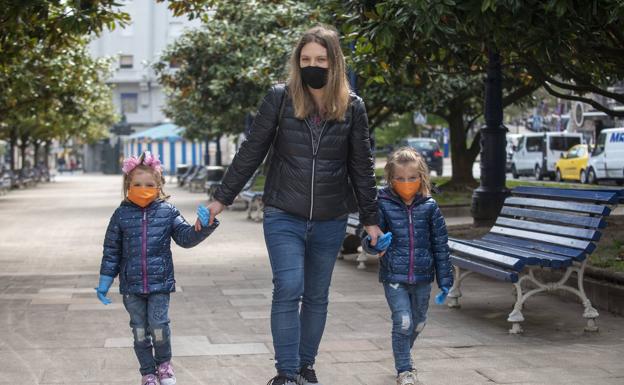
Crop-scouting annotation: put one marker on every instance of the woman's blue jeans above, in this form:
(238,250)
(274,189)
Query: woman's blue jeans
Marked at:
(303,254)
(409,305)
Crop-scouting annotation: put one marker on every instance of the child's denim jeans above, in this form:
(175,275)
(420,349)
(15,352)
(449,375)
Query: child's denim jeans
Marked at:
(409,304)
(149,320)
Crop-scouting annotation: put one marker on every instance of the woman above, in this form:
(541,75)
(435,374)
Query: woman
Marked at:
(321,142)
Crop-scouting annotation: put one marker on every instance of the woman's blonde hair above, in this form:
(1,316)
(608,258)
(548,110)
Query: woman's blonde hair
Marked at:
(407,156)
(336,95)
(157,174)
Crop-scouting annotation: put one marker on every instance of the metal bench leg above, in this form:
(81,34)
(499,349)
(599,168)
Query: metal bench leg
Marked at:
(590,313)
(362,258)
(516,317)
(455,292)
(259,206)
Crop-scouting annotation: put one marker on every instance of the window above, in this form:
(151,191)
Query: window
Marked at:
(534,144)
(600,144)
(563,143)
(424,145)
(129,103)
(573,153)
(126,61)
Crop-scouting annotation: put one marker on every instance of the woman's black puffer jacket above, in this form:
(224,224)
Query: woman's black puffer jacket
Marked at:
(303,180)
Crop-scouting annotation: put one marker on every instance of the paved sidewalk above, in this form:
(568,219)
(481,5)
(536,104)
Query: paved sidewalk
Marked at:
(54,331)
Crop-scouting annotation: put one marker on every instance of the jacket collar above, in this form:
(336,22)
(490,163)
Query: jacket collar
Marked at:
(388,194)
(128,203)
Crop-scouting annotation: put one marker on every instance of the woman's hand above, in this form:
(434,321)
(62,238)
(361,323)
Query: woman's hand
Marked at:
(374,232)
(215,209)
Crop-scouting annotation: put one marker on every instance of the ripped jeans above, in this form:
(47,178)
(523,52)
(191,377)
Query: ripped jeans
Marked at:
(409,305)
(149,320)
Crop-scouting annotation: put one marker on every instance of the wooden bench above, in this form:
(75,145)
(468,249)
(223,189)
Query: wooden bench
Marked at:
(537,228)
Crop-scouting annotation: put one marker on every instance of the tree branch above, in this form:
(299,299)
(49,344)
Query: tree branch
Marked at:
(591,102)
(519,93)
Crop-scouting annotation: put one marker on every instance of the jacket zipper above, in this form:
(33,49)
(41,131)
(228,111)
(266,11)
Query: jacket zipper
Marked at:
(314,152)
(411,243)
(144,251)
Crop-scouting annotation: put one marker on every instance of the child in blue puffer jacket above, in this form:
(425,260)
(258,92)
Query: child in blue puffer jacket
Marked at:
(137,247)
(414,251)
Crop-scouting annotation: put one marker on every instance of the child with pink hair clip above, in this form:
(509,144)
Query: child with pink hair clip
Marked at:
(137,248)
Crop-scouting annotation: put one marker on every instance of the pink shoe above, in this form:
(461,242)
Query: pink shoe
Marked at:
(149,379)
(165,374)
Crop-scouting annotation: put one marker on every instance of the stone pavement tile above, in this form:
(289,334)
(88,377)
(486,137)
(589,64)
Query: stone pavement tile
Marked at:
(255,315)
(60,375)
(546,374)
(356,368)
(196,346)
(81,307)
(346,345)
(474,363)
(176,341)
(361,356)
(266,292)
(250,302)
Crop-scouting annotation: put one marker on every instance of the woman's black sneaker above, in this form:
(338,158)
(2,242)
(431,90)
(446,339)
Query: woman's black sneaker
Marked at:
(307,376)
(281,380)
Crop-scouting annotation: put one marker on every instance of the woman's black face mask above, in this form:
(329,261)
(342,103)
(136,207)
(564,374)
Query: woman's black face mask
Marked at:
(315,77)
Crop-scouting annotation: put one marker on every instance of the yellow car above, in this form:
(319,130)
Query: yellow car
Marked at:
(573,164)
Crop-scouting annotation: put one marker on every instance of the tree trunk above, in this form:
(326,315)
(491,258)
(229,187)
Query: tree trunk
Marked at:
(462,157)
(36,146)
(23,146)
(46,154)
(218,156)
(12,145)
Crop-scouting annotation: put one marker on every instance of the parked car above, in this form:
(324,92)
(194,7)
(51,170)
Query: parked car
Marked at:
(537,154)
(573,164)
(429,149)
(607,159)
(510,148)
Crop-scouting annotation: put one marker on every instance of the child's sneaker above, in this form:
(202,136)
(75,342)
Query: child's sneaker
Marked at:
(165,374)
(306,376)
(149,379)
(407,378)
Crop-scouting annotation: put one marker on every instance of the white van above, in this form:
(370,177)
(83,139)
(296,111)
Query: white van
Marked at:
(536,154)
(607,159)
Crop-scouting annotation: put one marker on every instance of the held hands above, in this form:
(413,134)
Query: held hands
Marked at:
(203,216)
(215,208)
(102,289)
(383,242)
(441,297)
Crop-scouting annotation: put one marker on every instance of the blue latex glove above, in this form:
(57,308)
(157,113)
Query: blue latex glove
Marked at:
(204,215)
(383,242)
(441,297)
(102,289)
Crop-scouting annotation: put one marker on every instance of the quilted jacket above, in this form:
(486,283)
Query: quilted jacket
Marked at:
(419,250)
(137,246)
(305,179)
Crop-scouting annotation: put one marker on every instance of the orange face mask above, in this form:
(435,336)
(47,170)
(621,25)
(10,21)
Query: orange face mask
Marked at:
(142,196)
(406,190)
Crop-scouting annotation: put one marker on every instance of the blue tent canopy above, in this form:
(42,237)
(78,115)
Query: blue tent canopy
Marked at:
(167,131)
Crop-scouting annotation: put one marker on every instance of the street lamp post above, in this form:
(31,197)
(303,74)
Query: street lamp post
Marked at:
(119,129)
(488,198)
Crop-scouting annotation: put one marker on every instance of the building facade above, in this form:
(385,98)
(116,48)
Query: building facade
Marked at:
(137,93)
